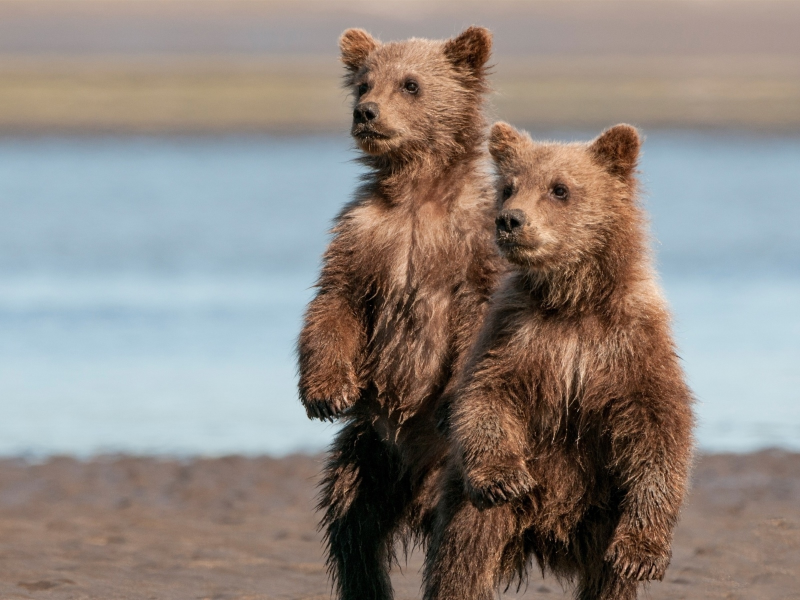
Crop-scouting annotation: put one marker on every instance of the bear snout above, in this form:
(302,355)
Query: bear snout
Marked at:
(366,112)
(510,220)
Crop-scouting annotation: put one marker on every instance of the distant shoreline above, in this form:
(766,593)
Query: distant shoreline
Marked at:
(301,94)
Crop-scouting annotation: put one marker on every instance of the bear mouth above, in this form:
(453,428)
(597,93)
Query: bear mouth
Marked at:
(507,241)
(367,133)
(508,246)
(515,250)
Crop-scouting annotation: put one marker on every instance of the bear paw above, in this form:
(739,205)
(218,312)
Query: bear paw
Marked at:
(329,410)
(631,562)
(501,485)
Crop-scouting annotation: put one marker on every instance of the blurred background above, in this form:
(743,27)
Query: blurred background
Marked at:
(169,170)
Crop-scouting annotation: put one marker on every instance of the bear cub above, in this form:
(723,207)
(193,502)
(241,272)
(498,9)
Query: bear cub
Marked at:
(572,424)
(404,286)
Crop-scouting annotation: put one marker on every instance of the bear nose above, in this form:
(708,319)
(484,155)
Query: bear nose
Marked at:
(366,112)
(510,219)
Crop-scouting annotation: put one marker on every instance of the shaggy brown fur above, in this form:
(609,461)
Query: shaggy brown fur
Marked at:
(402,292)
(572,424)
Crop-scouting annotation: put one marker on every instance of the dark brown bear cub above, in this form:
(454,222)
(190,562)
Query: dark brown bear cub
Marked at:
(402,293)
(572,425)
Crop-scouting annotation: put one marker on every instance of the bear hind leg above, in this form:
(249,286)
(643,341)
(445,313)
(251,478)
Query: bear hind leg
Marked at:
(470,552)
(606,585)
(363,497)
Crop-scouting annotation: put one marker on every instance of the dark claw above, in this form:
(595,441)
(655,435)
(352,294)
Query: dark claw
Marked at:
(312,411)
(494,496)
(327,410)
(318,410)
(628,571)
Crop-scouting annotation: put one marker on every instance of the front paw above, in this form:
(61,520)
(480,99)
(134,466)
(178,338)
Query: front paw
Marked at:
(498,485)
(330,410)
(636,561)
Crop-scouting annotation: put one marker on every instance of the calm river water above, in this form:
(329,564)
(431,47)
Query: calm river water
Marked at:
(151,288)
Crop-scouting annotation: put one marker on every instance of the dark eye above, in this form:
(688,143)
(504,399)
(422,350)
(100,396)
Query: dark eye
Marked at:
(507,192)
(560,191)
(411,86)
(363,89)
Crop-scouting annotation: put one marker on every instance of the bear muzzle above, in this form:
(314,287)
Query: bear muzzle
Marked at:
(510,220)
(366,112)
(365,133)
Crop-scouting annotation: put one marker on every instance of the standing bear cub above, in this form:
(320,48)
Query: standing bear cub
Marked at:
(403,290)
(572,424)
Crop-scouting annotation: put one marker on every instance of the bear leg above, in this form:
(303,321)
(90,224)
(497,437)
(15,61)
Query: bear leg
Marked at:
(606,585)
(469,551)
(364,496)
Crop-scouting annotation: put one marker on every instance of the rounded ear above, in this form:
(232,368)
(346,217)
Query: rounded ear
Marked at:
(617,149)
(504,140)
(470,49)
(356,44)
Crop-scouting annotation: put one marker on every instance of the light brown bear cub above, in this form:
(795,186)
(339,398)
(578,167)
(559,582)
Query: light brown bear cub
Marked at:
(403,290)
(572,426)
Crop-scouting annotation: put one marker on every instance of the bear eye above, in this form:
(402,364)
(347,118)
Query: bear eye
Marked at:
(560,191)
(363,89)
(411,86)
(507,192)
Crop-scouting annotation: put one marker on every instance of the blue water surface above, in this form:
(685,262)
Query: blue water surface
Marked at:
(151,288)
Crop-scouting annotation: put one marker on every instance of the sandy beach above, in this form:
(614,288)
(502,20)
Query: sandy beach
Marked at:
(245,528)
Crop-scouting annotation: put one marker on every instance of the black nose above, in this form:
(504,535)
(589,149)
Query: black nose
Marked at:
(366,112)
(509,220)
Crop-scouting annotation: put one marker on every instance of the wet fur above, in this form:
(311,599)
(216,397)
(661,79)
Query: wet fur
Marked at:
(572,424)
(404,286)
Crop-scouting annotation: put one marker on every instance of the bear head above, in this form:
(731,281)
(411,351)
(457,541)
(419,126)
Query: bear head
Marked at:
(416,97)
(564,207)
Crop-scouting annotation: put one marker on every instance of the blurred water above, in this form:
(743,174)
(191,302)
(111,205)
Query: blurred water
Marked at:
(151,289)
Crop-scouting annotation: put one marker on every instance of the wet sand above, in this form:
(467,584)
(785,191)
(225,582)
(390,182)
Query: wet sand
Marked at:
(245,528)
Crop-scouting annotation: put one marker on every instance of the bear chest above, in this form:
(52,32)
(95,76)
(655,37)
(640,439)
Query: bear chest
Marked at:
(409,249)
(563,375)
(419,264)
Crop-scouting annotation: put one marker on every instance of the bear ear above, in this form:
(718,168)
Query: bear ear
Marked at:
(356,44)
(617,149)
(504,141)
(470,49)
